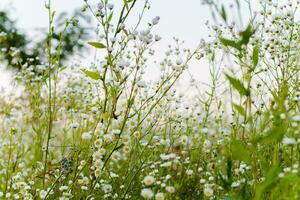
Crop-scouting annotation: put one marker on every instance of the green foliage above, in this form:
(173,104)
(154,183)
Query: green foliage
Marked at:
(270,182)
(91,74)
(98,45)
(103,131)
(231,43)
(255,56)
(33,52)
(239,151)
(246,34)
(223,13)
(13,39)
(240,109)
(243,40)
(275,134)
(238,85)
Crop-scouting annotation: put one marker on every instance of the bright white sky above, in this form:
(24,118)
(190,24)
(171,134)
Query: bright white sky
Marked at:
(184,19)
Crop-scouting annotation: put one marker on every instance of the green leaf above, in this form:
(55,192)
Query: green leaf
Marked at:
(246,34)
(126,5)
(226,181)
(231,43)
(98,45)
(225,184)
(255,56)
(238,85)
(223,13)
(271,179)
(2,38)
(275,134)
(53,15)
(239,108)
(110,17)
(105,116)
(91,74)
(239,151)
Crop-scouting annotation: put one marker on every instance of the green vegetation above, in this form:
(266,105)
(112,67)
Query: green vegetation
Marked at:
(104,132)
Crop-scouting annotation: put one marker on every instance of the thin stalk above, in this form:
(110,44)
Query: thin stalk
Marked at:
(49,90)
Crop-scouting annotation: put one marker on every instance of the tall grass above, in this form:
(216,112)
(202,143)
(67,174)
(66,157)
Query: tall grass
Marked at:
(103,132)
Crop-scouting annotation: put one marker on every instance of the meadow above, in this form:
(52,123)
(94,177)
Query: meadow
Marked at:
(104,131)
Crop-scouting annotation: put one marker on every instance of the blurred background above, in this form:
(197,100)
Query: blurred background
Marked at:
(29,19)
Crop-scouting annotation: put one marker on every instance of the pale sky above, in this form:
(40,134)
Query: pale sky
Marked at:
(184,19)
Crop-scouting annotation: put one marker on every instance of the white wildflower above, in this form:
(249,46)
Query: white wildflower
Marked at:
(147,193)
(149,180)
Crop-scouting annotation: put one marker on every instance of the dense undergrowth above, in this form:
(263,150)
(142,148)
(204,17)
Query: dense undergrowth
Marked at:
(103,132)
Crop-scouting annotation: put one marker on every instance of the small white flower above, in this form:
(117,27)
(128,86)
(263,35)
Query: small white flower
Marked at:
(97,155)
(110,6)
(189,172)
(170,189)
(288,141)
(102,151)
(113,39)
(281,175)
(287,169)
(296,118)
(43,194)
(149,180)
(207,144)
(84,188)
(167,156)
(166,164)
(21,165)
(116,131)
(141,84)
(63,188)
(74,125)
(168,177)
(86,136)
(100,6)
(85,116)
(97,172)
(108,137)
(147,193)
(157,38)
(184,139)
(122,63)
(235,184)
(155,20)
(98,143)
(179,61)
(208,191)
(113,175)
(159,196)
(282,116)
(106,188)
(175,67)
(8,195)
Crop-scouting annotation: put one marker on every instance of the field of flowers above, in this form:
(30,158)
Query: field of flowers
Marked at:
(106,132)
